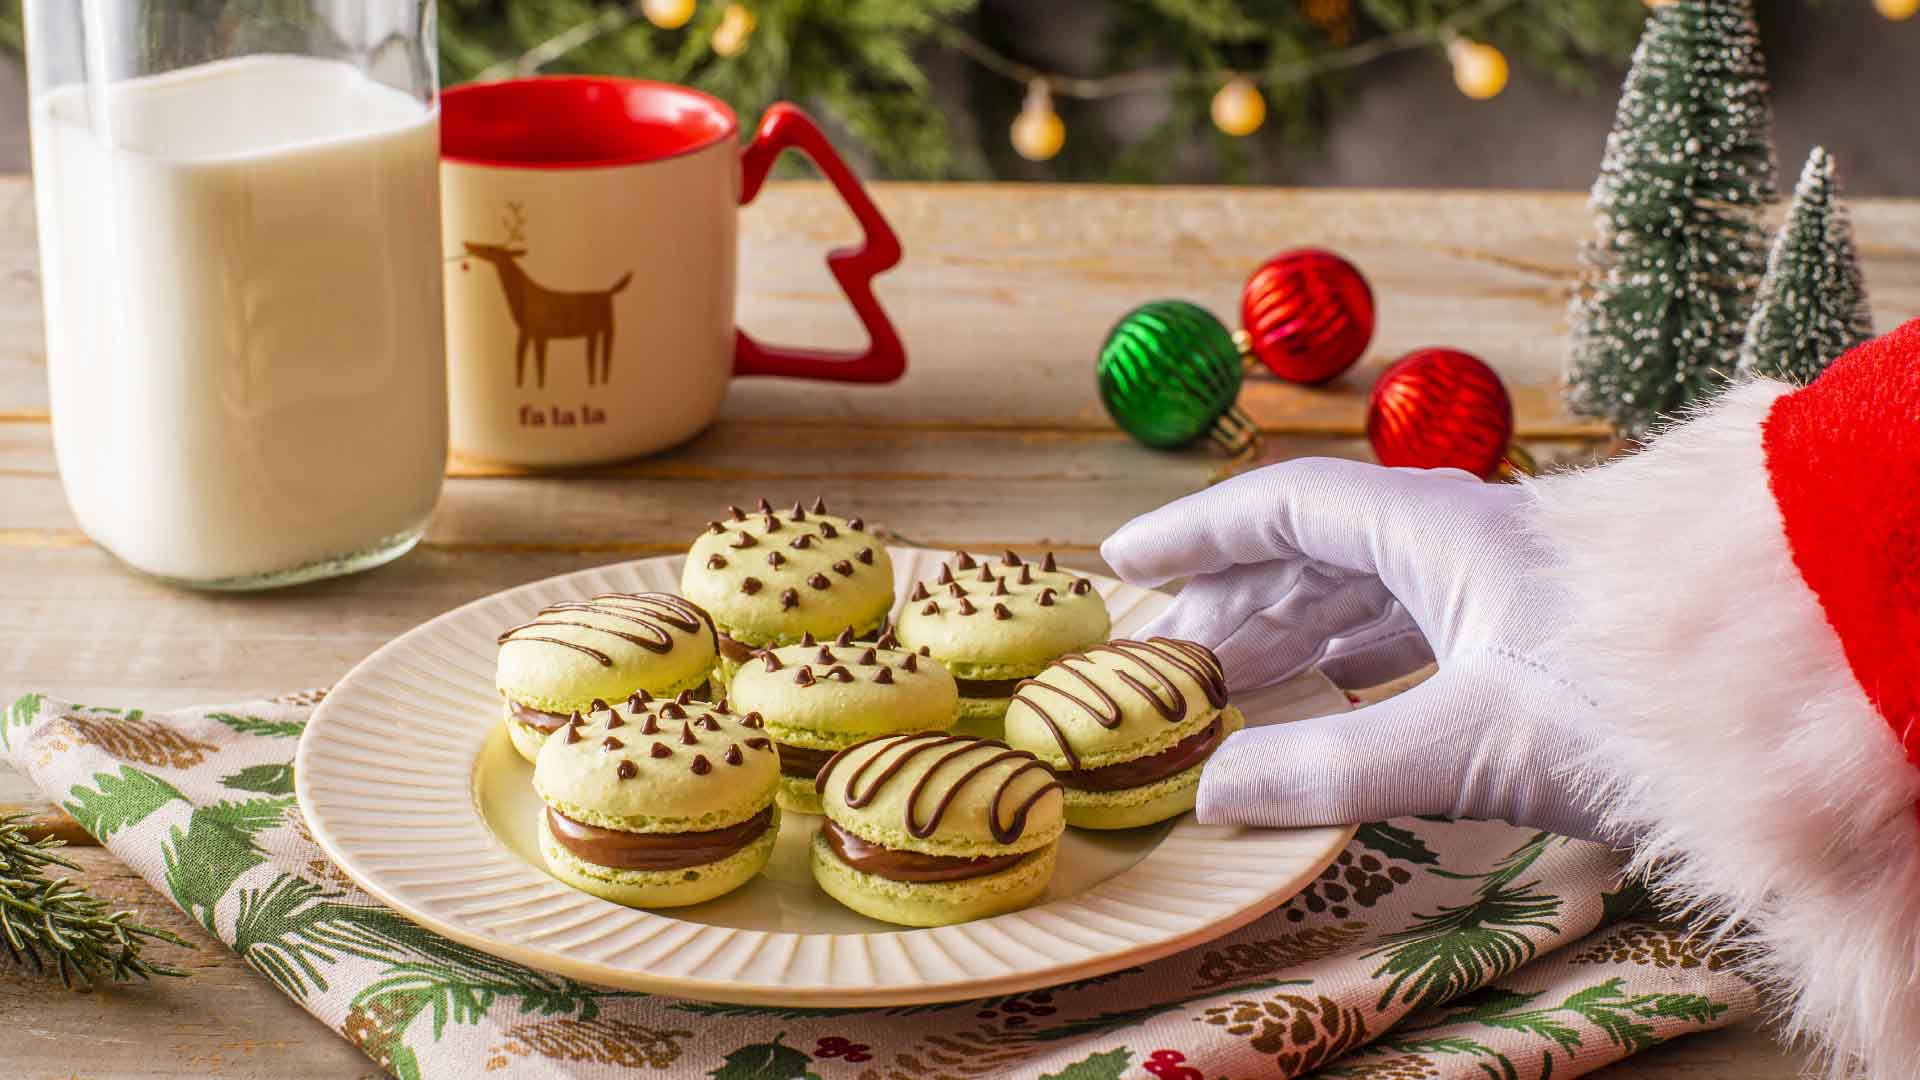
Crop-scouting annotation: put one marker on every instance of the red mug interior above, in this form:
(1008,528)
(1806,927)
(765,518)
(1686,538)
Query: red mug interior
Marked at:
(574,121)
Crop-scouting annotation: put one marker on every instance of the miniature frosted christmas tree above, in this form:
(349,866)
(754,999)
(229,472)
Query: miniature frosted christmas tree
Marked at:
(1664,300)
(1812,305)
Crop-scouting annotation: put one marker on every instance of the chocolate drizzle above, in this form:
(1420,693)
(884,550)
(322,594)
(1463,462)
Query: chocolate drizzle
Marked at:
(654,613)
(1196,661)
(915,745)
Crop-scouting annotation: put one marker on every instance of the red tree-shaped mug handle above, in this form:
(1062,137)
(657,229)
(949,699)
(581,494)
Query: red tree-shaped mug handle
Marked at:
(786,127)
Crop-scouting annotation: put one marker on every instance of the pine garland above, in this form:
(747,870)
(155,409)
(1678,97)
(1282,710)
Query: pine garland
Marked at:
(1813,303)
(1664,302)
(53,922)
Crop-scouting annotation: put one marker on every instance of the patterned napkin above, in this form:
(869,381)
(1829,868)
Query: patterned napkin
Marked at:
(1430,949)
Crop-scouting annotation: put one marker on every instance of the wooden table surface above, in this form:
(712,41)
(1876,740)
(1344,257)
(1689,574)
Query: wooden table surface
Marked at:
(993,439)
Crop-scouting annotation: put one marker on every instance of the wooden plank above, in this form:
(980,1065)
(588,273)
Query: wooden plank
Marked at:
(1007,290)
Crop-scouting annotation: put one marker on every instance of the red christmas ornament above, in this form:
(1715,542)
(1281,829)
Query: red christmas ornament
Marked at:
(1440,408)
(1308,315)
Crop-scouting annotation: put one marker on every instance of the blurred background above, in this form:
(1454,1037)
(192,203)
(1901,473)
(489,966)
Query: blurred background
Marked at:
(1367,93)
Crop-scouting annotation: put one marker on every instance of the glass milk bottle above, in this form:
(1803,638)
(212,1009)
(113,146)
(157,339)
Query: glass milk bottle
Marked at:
(240,249)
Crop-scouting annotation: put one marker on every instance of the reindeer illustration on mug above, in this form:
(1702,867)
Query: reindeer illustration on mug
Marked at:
(542,314)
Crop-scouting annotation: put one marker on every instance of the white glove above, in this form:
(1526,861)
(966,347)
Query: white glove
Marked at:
(1338,563)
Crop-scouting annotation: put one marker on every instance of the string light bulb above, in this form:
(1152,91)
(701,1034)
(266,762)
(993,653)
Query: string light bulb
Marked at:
(1038,132)
(1238,109)
(1897,10)
(736,25)
(667,14)
(1479,69)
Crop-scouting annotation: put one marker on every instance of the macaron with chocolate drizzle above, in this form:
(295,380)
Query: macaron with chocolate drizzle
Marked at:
(577,653)
(994,621)
(658,802)
(771,576)
(1127,726)
(820,698)
(931,829)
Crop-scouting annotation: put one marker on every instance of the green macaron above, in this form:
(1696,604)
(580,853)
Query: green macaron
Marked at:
(578,653)
(1127,726)
(820,698)
(930,829)
(993,622)
(771,576)
(658,804)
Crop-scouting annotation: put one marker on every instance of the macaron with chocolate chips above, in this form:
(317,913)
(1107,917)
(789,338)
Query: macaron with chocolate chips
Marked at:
(770,577)
(931,829)
(576,654)
(658,803)
(1127,727)
(820,698)
(992,622)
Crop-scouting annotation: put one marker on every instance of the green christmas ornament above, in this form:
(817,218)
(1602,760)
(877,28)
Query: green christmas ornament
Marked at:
(1169,373)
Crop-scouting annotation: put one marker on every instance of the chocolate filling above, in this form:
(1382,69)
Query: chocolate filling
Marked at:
(987,688)
(802,761)
(549,722)
(913,866)
(1140,772)
(734,650)
(654,851)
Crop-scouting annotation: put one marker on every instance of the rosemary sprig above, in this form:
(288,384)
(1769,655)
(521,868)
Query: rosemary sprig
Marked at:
(52,921)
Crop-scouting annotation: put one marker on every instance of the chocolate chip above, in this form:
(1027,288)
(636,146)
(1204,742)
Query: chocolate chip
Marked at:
(596,705)
(773,662)
(840,674)
(926,650)
(825,655)
(752,720)
(775,559)
(931,609)
(887,640)
(955,589)
(738,514)
(716,561)
(857,524)
(843,568)
(651,726)
(845,637)
(867,658)
(799,513)
(1026,574)
(1010,559)
(721,706)
(919,591)
(1081,586)
(770,523)
(865,556)
(615,720)
(684,697)
(911,663)
(627,770)
(819,505)
(828,531)
(765,507)
(758,743)
(1046,598)
(946,575)
(612,743)
(1048,564)
(743,541)
(789,599)
(985,574)
(806,637)
(734,756)
(709,723)
(1000,612)
(687,737)
(1000,588)
(750,585)
(883,676)
(802,542)
(966,606)
(638,698)
(716,528)
(964,562)
(819,581)
(573,733)
(660,749)
(803,677)
(671,711)
(701,766)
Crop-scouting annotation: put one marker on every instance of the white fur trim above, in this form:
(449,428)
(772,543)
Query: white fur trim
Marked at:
(1763,784)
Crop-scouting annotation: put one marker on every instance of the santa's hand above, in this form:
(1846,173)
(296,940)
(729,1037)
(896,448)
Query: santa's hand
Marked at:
(1367,572)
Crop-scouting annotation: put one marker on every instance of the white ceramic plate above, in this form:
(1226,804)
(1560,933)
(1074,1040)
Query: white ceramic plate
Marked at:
(408,781)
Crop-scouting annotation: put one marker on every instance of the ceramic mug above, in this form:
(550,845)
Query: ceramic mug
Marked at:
(592,224)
